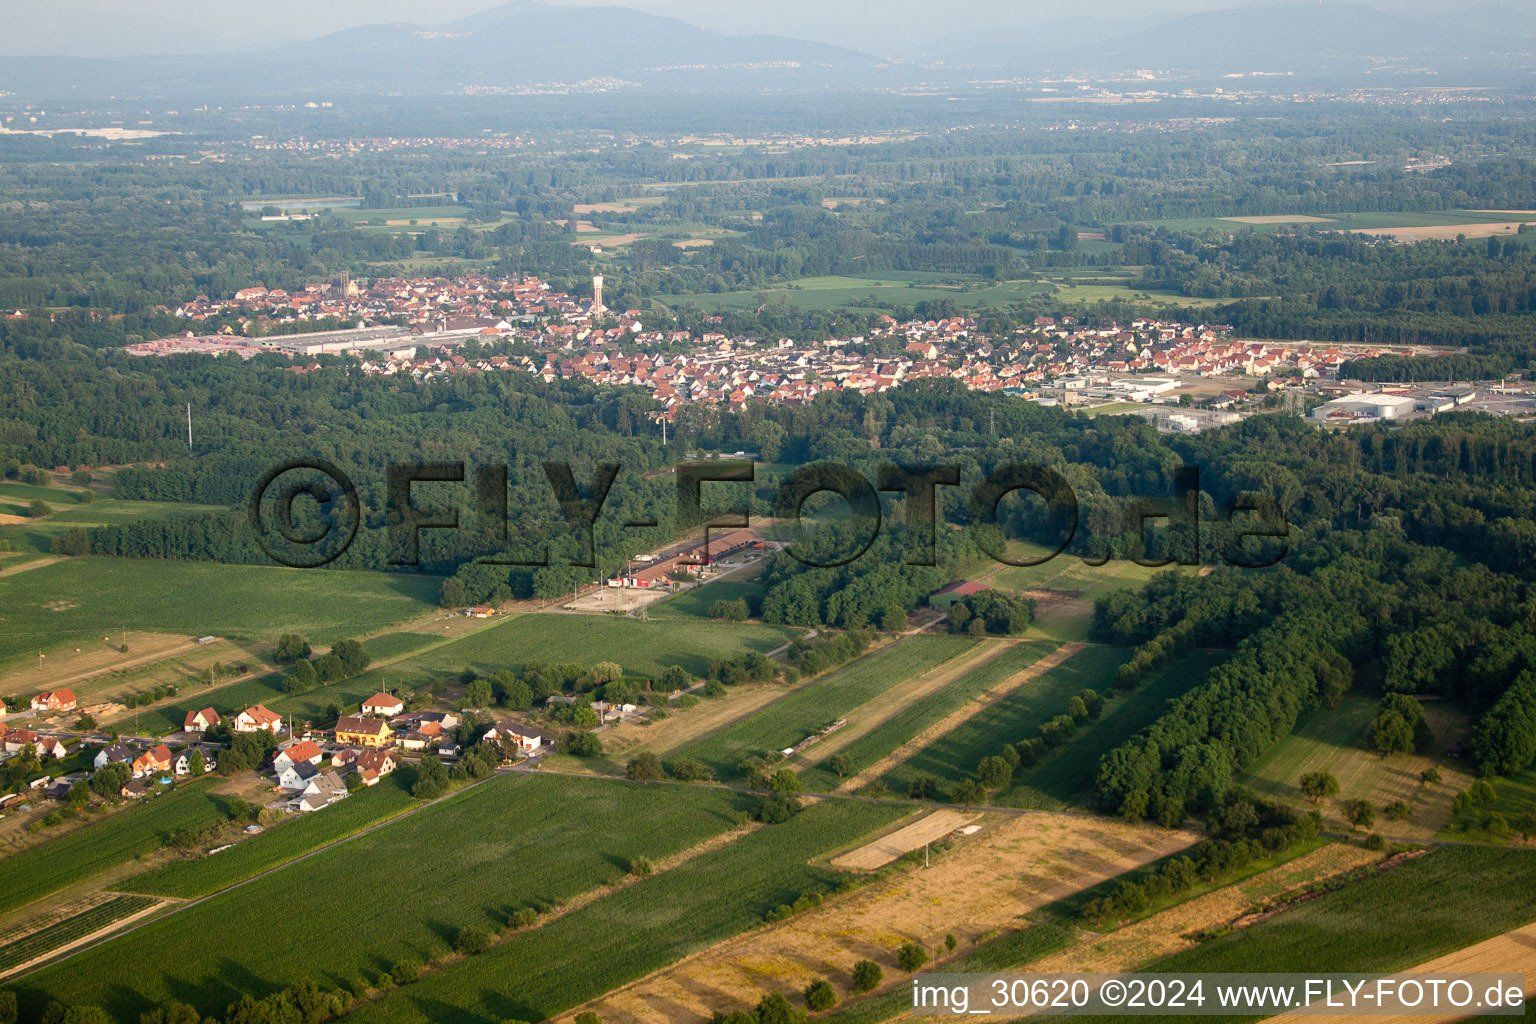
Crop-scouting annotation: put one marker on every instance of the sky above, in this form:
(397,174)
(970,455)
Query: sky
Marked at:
(95,28)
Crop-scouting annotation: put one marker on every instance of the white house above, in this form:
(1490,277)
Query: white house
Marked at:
(528,741)
(183,765)
(383,705)
(302,751)
(297,777)
(117,752)
(323,790)
(257,718)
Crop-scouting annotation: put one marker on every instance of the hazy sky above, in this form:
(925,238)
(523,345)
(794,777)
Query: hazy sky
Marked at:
(126,27)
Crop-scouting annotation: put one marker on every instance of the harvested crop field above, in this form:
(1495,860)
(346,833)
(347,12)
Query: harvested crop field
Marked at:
(1163,933)
(1432,232)
(1283,218)
(1014,865)
(882,851)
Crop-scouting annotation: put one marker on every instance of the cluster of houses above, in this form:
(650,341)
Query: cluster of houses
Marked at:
(368,744)
(571,337)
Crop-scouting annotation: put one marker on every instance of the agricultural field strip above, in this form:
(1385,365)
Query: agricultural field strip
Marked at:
(868,717)
(1009,719)
(637,929)
(801,712)
(74,932)
(960,715)
(188,904)
(523,821)
(46,868)
(1513,952)
(207,875)
(971,890)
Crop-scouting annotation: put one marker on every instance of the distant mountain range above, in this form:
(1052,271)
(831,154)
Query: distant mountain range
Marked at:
(531,45)
(517,45)
(1303,38)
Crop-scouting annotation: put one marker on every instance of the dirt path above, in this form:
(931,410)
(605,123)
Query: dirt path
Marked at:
(870,716)
(36,563)
(960,715)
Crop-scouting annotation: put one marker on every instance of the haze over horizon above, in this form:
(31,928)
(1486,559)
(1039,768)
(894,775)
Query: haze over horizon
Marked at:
(102,28)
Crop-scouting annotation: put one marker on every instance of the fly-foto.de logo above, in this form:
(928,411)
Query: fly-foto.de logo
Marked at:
(306,513)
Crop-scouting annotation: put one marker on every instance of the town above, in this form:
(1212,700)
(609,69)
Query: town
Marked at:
(424,328)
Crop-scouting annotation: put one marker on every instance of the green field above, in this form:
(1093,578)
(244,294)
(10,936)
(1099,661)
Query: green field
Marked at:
(792,718)
(51,606)
(879,291)
(295,836)
(115,839)
(638,929)
(1514,797)
(1446,900)
(1066,774)
(393,645)
(914,718)
(76,926)
(954,756)
(1067,614)
(37,536)
(401,893)
(1337,741)
(642,648)
(694,603)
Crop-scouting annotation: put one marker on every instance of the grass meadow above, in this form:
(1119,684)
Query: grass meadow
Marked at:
(802,712)
(1337,741)
(53,605)
(913,719)
(1066,774)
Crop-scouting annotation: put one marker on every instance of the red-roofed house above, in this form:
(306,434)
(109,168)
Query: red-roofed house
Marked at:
(383,704)
(257,718)
(200,721)
(54,700)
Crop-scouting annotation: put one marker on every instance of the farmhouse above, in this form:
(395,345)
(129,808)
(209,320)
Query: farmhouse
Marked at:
(54,700)
(526,740)
(948,595)
(257,718)
(364,732)
(302,751)
(384,705)
(373,765)
(200,721)
(155,759)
